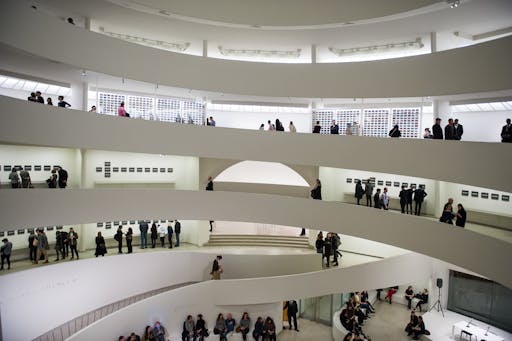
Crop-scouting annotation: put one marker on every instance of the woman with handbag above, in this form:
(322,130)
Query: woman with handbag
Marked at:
(101,249)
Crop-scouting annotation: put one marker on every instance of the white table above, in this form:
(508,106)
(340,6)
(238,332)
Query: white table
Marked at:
(477,332)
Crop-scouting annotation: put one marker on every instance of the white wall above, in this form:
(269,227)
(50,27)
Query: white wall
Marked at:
(262,172)
(253,120)
(95,283)
(482,126)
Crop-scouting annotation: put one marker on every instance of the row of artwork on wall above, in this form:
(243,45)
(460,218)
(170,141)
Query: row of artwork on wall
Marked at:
(485,195)
(373,181)
(108,169)
(31,230)
(110,224)
(36,168)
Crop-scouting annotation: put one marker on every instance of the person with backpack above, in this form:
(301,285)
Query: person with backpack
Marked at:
(14,178)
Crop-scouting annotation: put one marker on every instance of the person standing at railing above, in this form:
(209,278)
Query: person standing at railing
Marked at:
(119,238)
(63,177)
(506,132)
(437,131)
(177,231)
(368,191)
(62,103)
(73,242)
(121,111)
(143,227)
(335,128)
(292,128)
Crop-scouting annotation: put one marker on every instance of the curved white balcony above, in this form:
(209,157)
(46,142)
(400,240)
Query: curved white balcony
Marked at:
(472,163)
(481,252)
(470,69)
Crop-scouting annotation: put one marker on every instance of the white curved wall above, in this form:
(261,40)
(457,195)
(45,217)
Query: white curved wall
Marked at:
(409,232)
(218,295)
(34,295)
(466,70)
(263,173)
(451,161)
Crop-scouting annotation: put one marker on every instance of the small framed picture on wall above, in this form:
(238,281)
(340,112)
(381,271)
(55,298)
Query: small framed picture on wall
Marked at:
(123,169)
(131,169)
(115,169)
(59,227)
(505,197)
(99,224)
(495,196)
(349,180)
(388,183)
(147,170)
(99,169)
(47,168)
(37,168)
(21,231)
(7,168)
(170,170)
(162,170)
(380,183)
(465,193)
(396,184)
(474,194)
(484,195)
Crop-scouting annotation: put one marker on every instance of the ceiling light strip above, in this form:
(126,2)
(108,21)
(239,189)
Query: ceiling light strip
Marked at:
(179,47)
(290,54)
(401,46)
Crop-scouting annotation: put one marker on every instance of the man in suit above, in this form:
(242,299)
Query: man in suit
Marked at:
(292,313)
(449,130)
(437,131)
(506,132)
(419,195)
(177,231)
(459,129)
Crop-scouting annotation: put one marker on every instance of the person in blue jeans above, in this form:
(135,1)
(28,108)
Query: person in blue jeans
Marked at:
(143,226)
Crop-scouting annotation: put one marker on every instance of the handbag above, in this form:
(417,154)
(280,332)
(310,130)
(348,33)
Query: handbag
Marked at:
(238,329)
(34,243)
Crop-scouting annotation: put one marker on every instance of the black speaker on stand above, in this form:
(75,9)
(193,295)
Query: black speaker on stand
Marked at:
(437,304)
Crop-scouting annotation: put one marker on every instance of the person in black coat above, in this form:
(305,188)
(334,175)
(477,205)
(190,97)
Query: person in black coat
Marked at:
(449,130)
(413,321)
(316,192)
(335,129)
(395,132)
(419,195)
(506,132)
(201,330)
(418,329)
(101,249)
(359,191)
(459,129)
(461,216)
(409,193)
(119,238)
(403,198)
(154,235)
(437,131)
(293,309)
(258,329)
(209,187)
(376,199)
(177,231)
(327,248)
(63,177)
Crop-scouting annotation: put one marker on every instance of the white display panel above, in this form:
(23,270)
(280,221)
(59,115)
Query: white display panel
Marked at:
(376,122)
(344,117)
(325,118)
(408,120)
(153,108)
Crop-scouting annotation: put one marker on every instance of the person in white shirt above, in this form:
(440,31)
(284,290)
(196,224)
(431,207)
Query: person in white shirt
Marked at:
(385,199)
(292,128)
(162,231)
(270,126)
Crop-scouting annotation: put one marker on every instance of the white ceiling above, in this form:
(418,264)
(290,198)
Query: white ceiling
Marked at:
(471,17)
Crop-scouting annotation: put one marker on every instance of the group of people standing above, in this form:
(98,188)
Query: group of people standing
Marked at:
(38,245)
(381,200)
(58,177)
(328,247)
(38,98)
(278,126)
(452,131)
(156,232)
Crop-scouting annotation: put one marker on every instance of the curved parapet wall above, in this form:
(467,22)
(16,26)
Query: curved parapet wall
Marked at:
(472,163)
(218,296)
(409,232)
(93,283)
(470,69)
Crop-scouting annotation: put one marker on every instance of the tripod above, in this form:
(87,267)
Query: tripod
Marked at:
(437,303)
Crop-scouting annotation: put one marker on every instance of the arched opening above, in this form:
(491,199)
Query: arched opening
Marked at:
(261,177)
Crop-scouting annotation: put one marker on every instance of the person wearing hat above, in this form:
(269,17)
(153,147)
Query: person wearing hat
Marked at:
(5,250)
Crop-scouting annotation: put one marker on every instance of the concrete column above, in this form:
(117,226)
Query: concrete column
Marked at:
(313,53)
(433,42)
(442,110)
(205,48)
(79,94)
